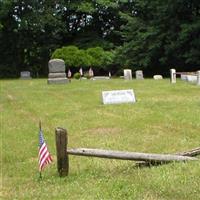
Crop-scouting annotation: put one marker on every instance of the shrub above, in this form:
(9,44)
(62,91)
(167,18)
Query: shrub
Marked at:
(86,75)
(92,57)
(77,75)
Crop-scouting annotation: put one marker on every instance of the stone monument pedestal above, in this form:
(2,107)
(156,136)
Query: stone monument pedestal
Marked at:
(57,73)
(57,80)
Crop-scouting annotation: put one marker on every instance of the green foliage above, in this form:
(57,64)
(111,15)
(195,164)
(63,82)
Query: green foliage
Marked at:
(74,57)
(86,7)
(77,75)
(100,58)
(89,39)
(153,35)
(86,75)
(97,54)
(161,35)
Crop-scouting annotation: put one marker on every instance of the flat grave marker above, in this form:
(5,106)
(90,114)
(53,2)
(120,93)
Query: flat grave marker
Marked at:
(100,78)
(118,96)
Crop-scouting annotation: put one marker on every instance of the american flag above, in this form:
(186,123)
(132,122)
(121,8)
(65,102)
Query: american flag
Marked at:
(69,74)
(81,71)
(44,155)
(91,73)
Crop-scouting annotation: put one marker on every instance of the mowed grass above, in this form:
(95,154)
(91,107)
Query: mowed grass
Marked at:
(165,119)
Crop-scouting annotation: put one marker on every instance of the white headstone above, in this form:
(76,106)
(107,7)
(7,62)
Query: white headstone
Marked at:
(127,74)
(139,74)
(118,96)
(198,77)
(173,75)
(157,77)
(192,78)
(184,77)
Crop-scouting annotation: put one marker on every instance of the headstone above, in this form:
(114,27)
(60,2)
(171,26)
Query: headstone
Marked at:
(118,96)
(184,77)
(57,73)
(139,74)
(56,66)
(127,74)
(157,77)
(173,75)
(100,78)
(198,77)
(25,75)
(192,78)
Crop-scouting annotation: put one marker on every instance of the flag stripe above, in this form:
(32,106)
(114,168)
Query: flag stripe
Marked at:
(44,155)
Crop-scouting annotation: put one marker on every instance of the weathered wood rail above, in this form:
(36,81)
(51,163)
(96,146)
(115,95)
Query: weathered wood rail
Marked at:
(63,152)
(190,153)
(123,155)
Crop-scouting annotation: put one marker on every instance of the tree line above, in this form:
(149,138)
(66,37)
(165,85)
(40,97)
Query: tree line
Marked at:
(138,34)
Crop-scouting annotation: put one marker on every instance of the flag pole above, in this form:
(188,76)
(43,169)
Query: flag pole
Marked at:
(40,125)
(40,128)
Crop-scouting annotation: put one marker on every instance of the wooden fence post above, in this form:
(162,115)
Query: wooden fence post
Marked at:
(61,149)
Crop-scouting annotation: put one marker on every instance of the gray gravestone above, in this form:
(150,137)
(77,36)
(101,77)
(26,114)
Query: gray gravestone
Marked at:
(139,74)
(25,75)
(57,73)
(128,74)
(56,66)
(118,96)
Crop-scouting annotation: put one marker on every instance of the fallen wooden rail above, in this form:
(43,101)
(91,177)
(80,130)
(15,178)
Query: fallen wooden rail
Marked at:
(191,153)
(123,155)
(63,152)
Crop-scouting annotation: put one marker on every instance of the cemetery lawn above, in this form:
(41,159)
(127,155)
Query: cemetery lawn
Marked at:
(165,119)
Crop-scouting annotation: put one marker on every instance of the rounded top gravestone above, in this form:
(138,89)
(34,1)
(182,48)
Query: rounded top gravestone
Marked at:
(56,65)
(158,77)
